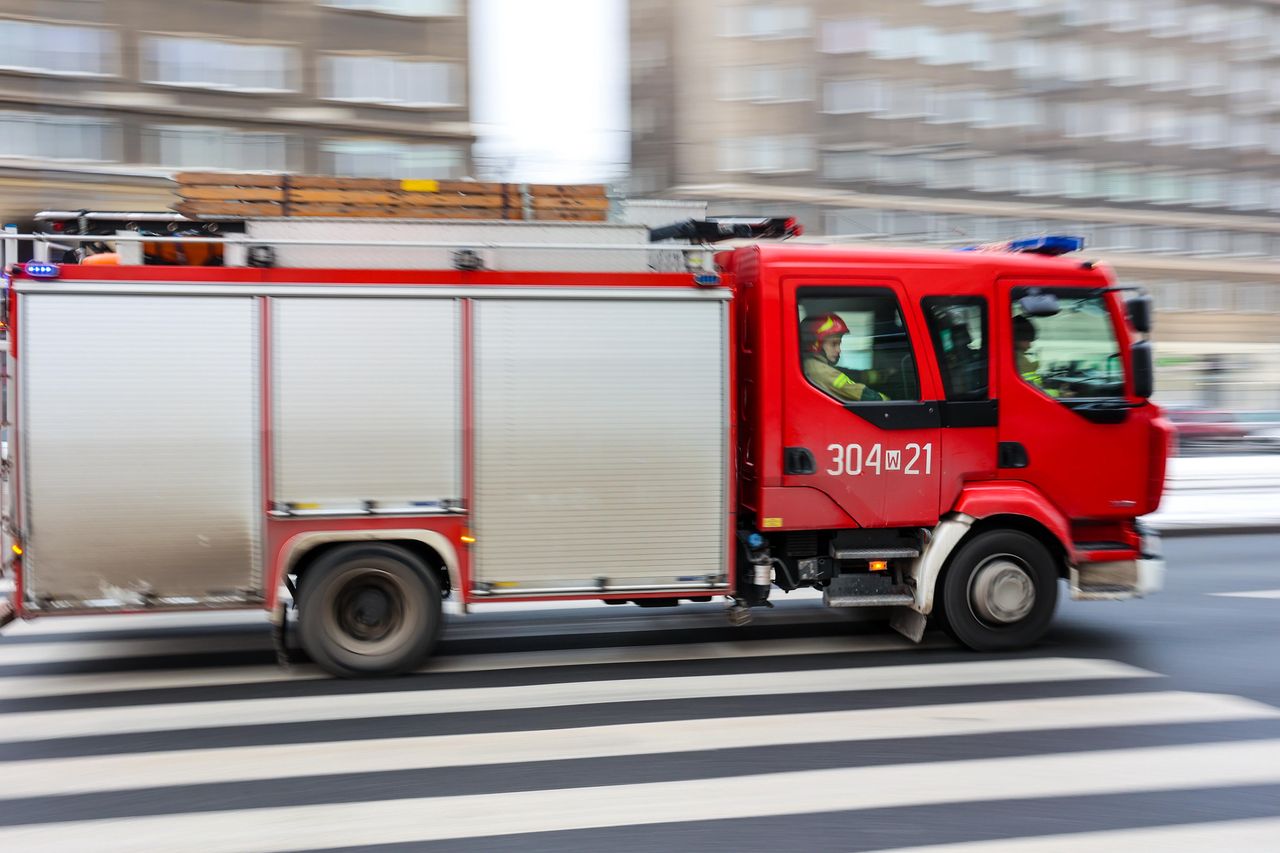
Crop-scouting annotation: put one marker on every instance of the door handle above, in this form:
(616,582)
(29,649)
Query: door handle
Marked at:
(1012,455)
(799,460)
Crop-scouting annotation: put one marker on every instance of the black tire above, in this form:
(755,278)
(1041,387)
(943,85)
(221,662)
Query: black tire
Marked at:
(984,595)
(369,610)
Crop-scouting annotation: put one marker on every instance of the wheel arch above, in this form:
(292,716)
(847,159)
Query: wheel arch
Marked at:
(1033,527)
(957,529)
(301,551)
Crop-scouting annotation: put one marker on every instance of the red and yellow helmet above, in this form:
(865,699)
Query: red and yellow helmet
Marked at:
(815,330)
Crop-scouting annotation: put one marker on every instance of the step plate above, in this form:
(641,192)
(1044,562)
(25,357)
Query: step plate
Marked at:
(875,553)
(867,600)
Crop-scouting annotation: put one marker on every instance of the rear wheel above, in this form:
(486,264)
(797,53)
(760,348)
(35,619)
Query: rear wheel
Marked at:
(368,610)
(1000,591)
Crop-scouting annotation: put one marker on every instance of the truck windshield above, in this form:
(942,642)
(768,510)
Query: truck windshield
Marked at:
(1074,353)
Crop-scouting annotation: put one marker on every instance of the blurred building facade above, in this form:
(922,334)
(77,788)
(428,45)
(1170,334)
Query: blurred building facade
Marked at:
(100,100)
(1150,127)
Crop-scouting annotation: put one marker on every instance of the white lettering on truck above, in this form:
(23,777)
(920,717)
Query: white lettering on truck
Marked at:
(852,460)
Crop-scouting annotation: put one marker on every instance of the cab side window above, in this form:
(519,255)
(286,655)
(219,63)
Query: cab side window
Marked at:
(1073,353)
(854,345)
(958,326)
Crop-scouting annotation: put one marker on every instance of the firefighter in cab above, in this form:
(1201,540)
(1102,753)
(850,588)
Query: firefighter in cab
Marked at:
(1027,362)
(820,339)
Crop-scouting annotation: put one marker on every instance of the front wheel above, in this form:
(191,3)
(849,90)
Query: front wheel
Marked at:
(1000,591)
(366,610)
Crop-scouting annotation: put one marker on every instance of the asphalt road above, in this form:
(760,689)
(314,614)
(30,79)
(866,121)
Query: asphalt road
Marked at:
(1139,725)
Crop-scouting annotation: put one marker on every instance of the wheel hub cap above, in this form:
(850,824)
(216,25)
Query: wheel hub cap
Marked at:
(367,613)
(1002,591)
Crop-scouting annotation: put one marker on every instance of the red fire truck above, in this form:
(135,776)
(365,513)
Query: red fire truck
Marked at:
(946,433)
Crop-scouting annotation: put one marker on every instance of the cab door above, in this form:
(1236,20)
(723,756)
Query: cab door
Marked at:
(876,457)
(1069,422)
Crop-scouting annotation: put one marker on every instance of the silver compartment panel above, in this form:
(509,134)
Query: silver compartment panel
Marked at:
(366,402)
(141,433)
(600,444)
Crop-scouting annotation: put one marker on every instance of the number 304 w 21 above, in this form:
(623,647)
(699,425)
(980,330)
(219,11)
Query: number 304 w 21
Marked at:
(853,460)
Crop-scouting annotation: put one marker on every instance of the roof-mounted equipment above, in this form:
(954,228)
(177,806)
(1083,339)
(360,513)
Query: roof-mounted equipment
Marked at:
(1051,245)
(714,229)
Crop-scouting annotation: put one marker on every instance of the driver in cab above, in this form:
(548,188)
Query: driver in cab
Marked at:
(820,339)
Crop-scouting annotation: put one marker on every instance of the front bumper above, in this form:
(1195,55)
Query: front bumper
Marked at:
(1150,576)
(1117,580)
(1121,579)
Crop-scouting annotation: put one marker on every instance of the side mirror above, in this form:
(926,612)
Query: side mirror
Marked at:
(1144,370)
(1039,305)
(1140,309)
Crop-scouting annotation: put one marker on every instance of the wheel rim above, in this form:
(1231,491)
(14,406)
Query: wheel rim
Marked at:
(1001,591)
(371,611)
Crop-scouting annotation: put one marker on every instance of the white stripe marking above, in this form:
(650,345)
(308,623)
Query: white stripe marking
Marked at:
(18,687)
(424,819)
(59,776)
(39,725)
(1238,836)
(25,654)
(1258,593)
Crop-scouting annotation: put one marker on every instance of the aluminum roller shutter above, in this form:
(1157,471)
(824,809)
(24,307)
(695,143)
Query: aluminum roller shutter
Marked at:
(601,442)
(366,402)
(141,442)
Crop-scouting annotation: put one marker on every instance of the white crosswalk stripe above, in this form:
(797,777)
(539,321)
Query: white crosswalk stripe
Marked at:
(259,712)
(1238,836)
(193,767)
(1257,593)
(436,818)
(206,758)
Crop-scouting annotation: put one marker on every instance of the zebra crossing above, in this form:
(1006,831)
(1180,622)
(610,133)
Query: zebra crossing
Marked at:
(581,730)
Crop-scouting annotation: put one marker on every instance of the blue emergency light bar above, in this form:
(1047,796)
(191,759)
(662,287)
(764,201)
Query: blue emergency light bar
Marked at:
(40,269)
(1049,245)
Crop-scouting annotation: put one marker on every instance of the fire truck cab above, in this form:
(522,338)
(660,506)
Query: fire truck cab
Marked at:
(1004,438)
(947,434)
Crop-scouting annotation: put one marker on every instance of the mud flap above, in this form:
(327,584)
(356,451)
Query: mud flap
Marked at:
(908,623)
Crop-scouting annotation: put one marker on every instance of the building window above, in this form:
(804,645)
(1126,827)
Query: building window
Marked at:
(1165,126)
(956,172)
(216,64)
(1119,66)
(765,21)
(1209,296)
(49,137)
(764,84)
(1246,192)
(1168,239)
(788,153)
(1172,296)
(1163,71)
(1166,187)
(385,159)
(57,49)
(398,82)
(849,166)
(907,100)
(1208,77)
(1248,243)
(1208,130)
(199,147)
(1208,242)
(856,96)
(855,35)
(407,8)
(1256,297)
